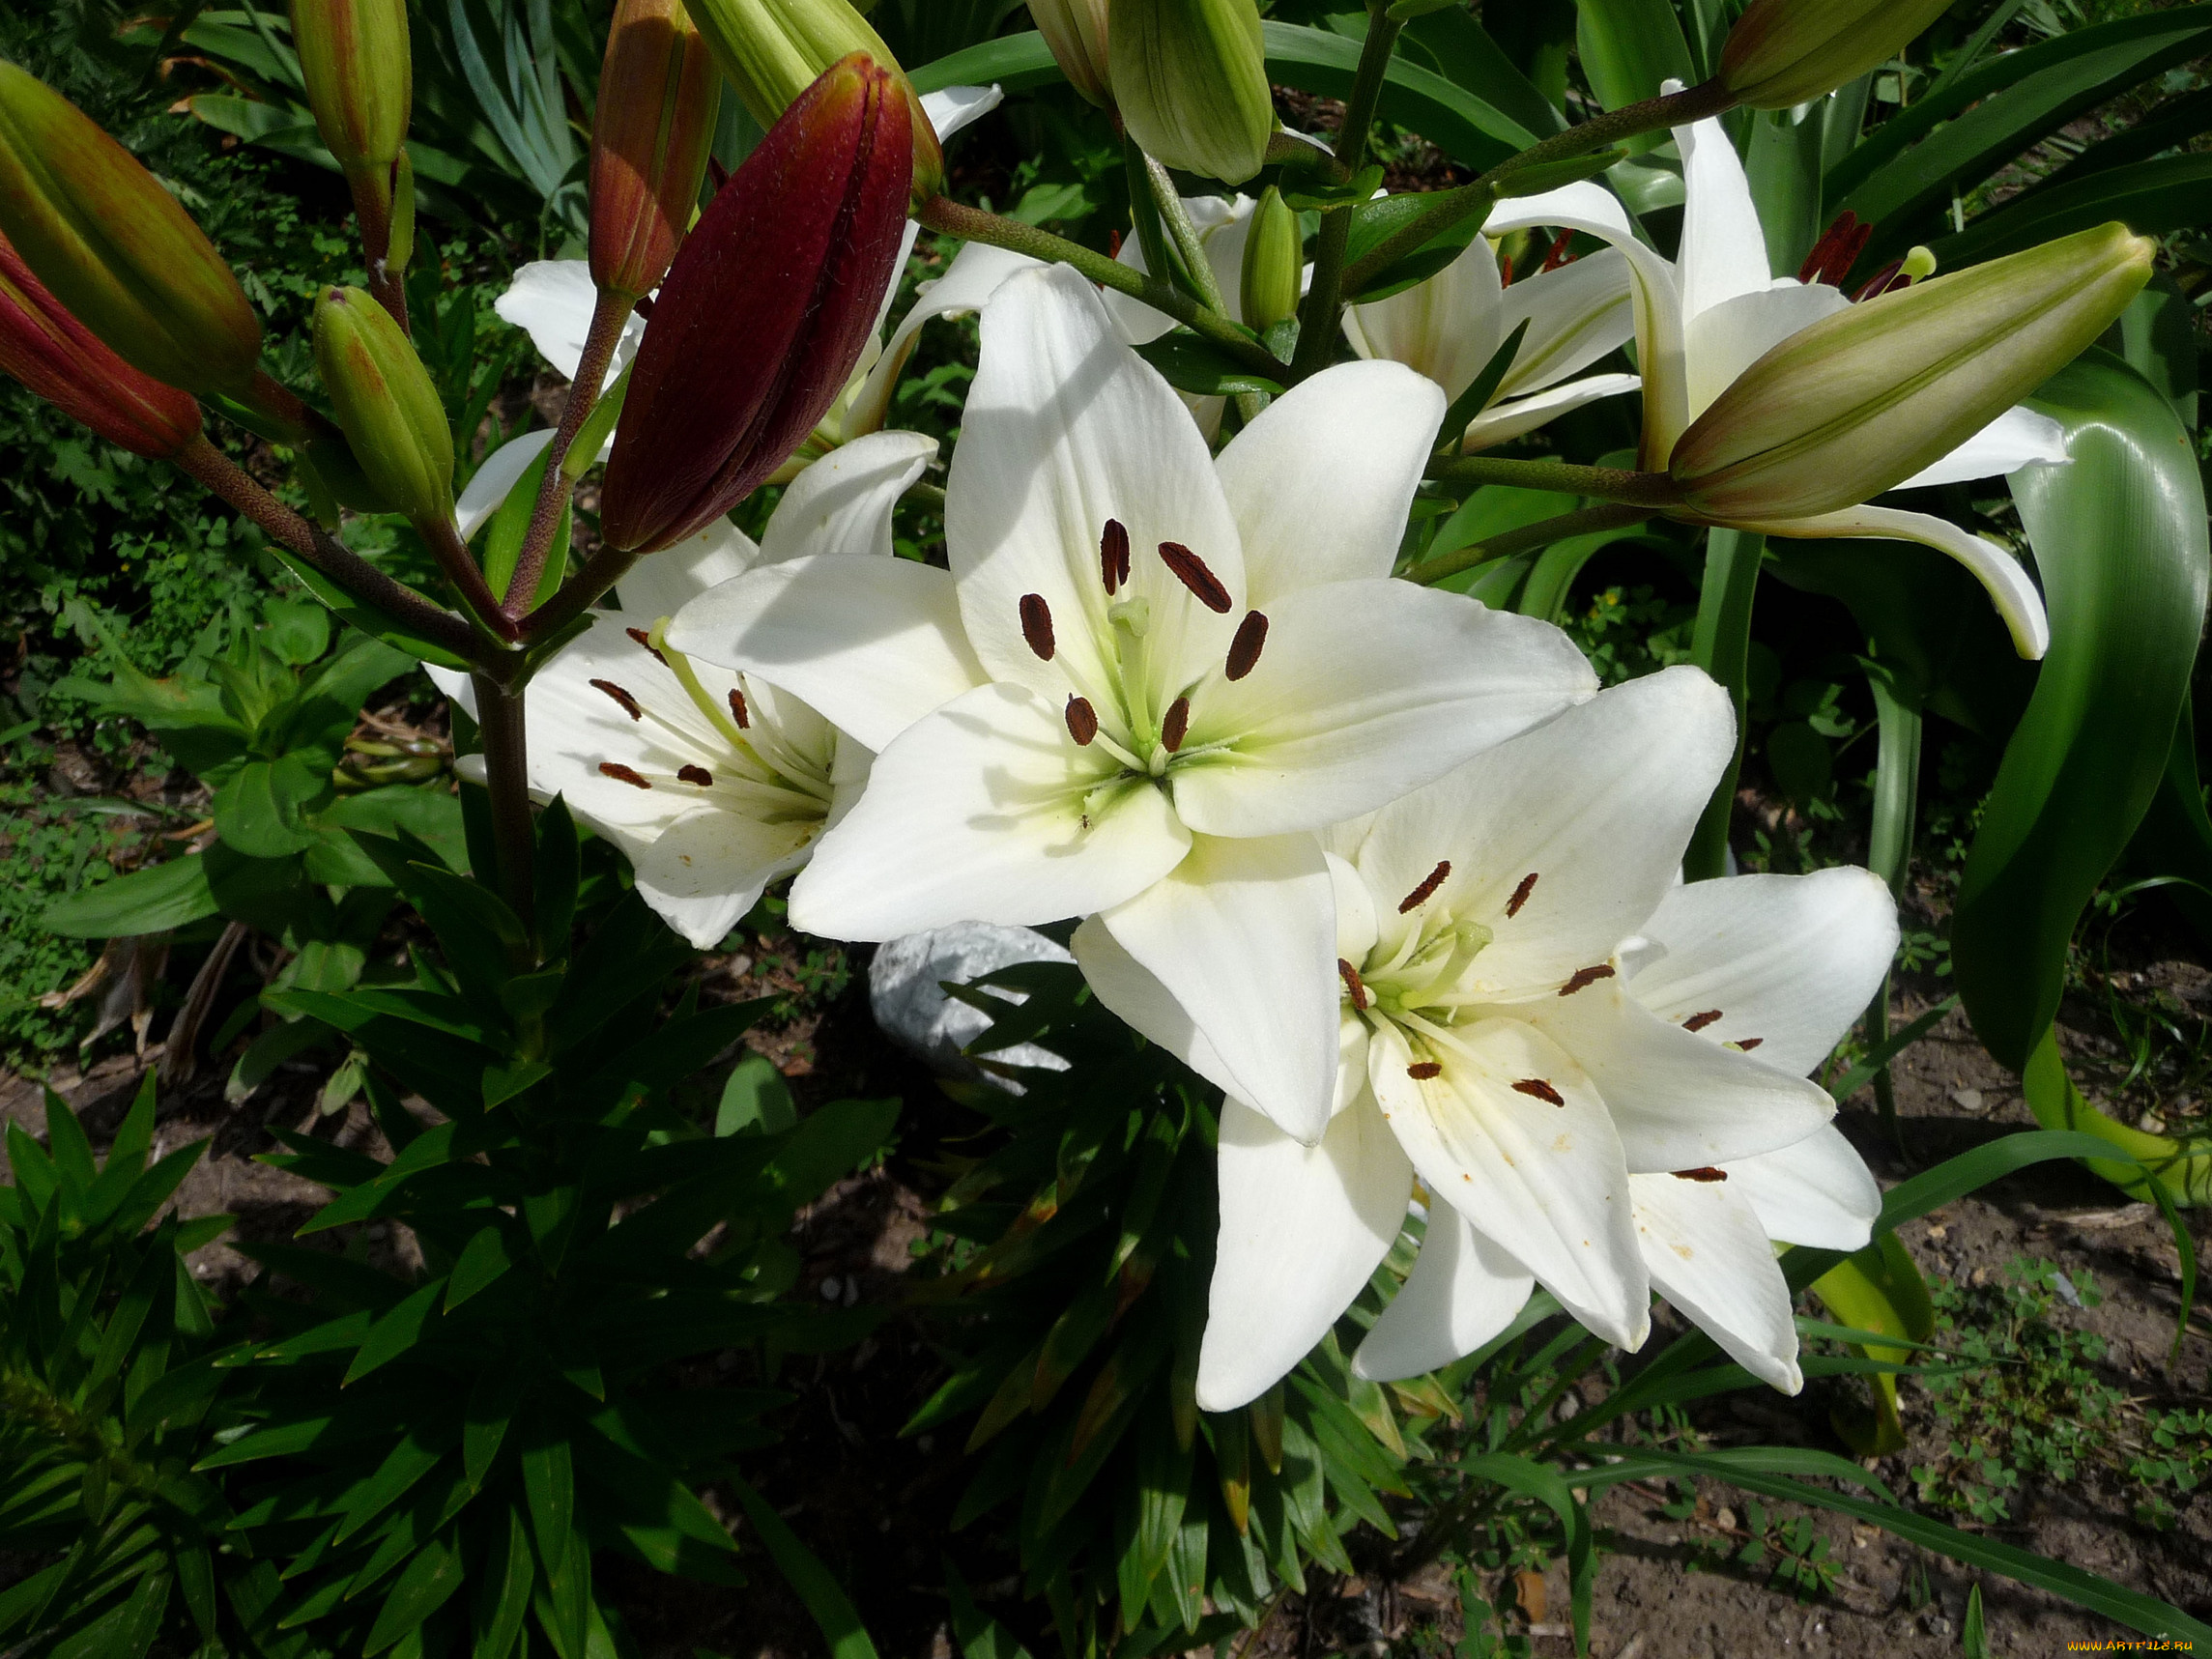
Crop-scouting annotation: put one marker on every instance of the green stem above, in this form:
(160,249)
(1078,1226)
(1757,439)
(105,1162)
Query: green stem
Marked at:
(1607,515)
(506,779)
(1722,647)
(607,318)
(600,572)
(1449,206)
(973,224)
(1655,490)
(1177,219)
(1322,314)
(1144,211)
(1890,849)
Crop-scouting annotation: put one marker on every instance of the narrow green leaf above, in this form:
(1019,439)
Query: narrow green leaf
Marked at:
(804,1572)
(432,1576)
(482,1260)
(396,1331)
(503,1602)
(70,1151)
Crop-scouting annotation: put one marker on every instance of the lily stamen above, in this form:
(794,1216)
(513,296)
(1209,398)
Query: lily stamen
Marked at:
(624,774)
(1175,725)
(699,775)
(1037,626)
(1191,570)
(1699,1021)
(1245,648)
(629,704)
(1536,1089)
(1431,882)
(1113,556)
(1520,895)
(1082,721)
(1584,978)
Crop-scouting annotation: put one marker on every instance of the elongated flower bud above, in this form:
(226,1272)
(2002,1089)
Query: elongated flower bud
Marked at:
(1862,400)
(1275,262)
(385,403)
(1075,33)
(1189,77)
(657,97)
(768,305)
(773,50)
(62,360)
(115,249)
(1785,53)
(353,58)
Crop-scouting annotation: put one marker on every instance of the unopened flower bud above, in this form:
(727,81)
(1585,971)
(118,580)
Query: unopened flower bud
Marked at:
(354,57)
(1189,77)
(1075,33)
(1275,262)
(799,244)
(1785,53)
(1862,400)
(114,247)
(385,401)
(772,50)
(62,360)
(650,141)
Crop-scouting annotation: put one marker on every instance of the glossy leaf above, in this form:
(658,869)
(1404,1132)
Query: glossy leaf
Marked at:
(2150,197)
(1628,47)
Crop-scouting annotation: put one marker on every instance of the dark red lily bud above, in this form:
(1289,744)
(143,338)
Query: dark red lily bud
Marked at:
(767,307)
(659,93)
(64,361)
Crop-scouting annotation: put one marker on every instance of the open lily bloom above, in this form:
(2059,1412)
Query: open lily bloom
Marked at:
(1147,678)
(1488,1046)
(1449,326)
(713,784)
(1703,321)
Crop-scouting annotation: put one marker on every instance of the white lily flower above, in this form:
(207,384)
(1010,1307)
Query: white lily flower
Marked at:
(1485,926)
(1147,678)
(1449,326)
(712,783)
(1704,320)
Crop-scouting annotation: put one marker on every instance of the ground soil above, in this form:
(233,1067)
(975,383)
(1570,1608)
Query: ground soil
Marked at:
(877,1508)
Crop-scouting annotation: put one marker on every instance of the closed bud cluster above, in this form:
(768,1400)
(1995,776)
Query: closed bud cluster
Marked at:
(1864,399)
(1189,77)
(1075,33)
(114,247)
(772,50)
(1275,262)
(658,100)
(799,243)
(387,405)
(63,361)
(1785,53)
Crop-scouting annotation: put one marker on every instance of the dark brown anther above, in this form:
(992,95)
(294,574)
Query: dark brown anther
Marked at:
(699,775)
(1191,571)
(1706,1173)
(1245,649)
(1175,725)
(615,769)
(1556,255)
(1504,271)
(629,704)
(1420,1071)
(1584,978)
(1037,625)
(1837,250)
(1429,883)
(1082,721)
(1535,1088)
(1355,987)
(1520,895)
(1699,1021)
(1113,556)
(646,640)
(1890,275)
(737,710)
(1745,1044)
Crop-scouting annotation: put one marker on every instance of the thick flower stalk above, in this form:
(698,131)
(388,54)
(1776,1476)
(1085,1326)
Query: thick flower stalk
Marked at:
(115,248)
(800,243)
(1148,676)
(1488,930)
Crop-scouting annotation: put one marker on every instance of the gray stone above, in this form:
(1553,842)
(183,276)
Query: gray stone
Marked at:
(906,993)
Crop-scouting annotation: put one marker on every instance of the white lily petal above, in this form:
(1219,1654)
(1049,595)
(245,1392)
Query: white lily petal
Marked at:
(842,503)
(1677,1101)
(1576,314)
(967,285)
(1817,1192)
(553,299)
(1789,959)
(873,643)
(1597,807)
(664,583)
(1510,419)
(2003,577)
(1446,328)
(951,108)
(705,870)
(1321,481)
(1243,935)
(1223,227)
(981,812)
(1732,335)
(1710,1258)
(1355,909)
(1133,995)
(1302,1229)
(489,485)
(1065,428)
(1546,1182)
(1724,250)
(1327,726)
(1463,1290)
(458,688)
(2015,439)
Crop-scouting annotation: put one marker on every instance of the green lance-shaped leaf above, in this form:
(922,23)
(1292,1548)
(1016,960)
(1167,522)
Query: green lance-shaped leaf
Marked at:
(1879,1289)
(2120,543)
(804,1571)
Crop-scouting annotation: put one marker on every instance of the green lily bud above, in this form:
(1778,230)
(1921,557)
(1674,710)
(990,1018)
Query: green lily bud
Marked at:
(1274,264)
(387,405)
(115,249)
(656,124)
(1191,79)
(1862,400)
(361,84)
(1787,52)
(772,50)
(1075,32)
